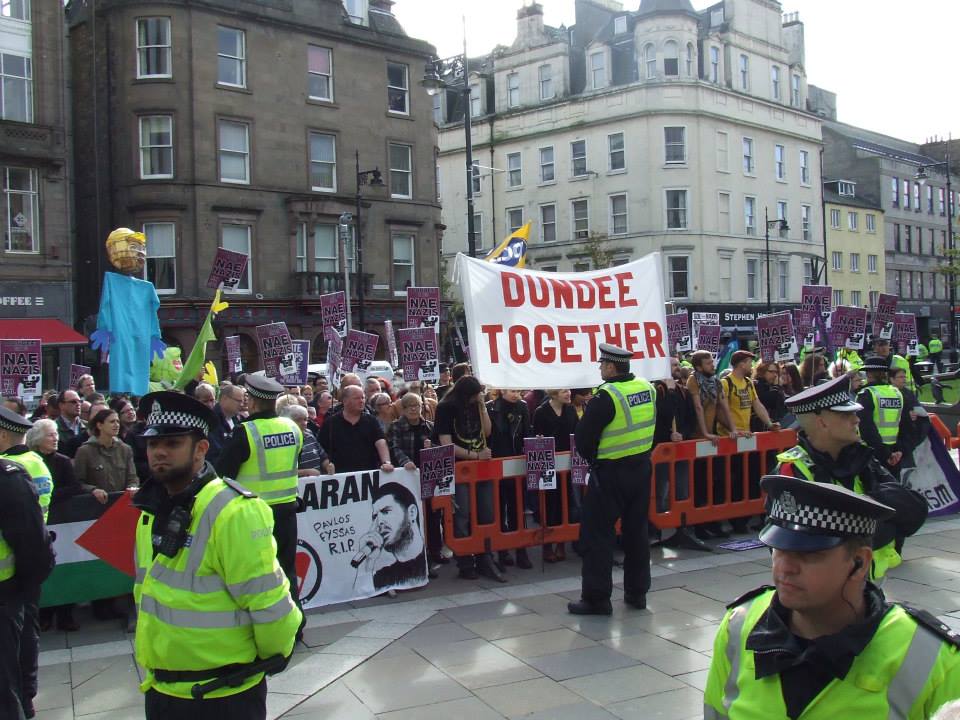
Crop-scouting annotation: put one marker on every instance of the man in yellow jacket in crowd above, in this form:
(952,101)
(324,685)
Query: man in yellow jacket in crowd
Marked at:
(215,610)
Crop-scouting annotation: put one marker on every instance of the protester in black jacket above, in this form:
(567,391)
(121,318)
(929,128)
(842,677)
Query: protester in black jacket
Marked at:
(510,424)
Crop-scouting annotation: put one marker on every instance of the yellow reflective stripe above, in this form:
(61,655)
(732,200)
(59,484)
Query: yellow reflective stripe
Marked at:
(6,562)
(623,446)
(217,619)
(731,689)
(261,454)
(628,416)
(258,585)
(913,674)
(276,494)
(278,611)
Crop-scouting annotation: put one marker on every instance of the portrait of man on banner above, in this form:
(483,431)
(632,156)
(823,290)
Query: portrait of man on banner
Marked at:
(392,551)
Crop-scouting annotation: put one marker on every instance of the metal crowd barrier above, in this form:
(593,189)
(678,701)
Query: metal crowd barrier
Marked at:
(714,482)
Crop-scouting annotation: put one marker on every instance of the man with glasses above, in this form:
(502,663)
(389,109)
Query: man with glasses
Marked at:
(69,425)
(232,398)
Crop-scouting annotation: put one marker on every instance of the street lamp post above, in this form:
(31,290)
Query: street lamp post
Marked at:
(433,81)
(374,179)
(784,227)
(951,279)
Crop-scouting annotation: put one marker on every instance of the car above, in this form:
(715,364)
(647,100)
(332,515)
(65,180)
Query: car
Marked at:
(380,368)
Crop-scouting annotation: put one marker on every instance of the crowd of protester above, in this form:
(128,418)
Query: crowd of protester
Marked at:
(89,441)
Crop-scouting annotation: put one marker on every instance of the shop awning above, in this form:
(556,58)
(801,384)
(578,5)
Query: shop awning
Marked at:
(50,331)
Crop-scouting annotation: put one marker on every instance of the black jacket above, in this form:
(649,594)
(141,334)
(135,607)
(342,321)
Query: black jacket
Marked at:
(510,424)
(674,406)
(220,434)
(772,398)
(23,529)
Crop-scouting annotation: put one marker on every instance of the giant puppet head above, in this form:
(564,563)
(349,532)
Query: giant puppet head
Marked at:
(127,251)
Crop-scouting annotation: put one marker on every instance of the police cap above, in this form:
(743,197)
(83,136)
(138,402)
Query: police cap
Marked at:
(832,395)
(262,387)
(876,363)
(804,516)
(614,354)
(171,413)
(12,422)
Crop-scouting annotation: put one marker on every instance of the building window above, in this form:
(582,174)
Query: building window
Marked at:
(748,159)
(234,152)
(847,189)
(675,148)
(16,9)
(153,48)
(514,219)
(750,215)
(548,223)
(807,271)
(476,106)
(403,275)
(895,192)
(726,278)
(161,265)
(874,296)
(22,204)
(546,165)
(679,276)
(744,72)
(779,162)
(620,25)
(835,219)
(356,11)
(546,82)
(156,147)
(689,59)
(671,61)
(930,199)
(326,249)
(237,238)
(478,229)
(513,90)
(16,88)
(618,214)
(775,82)
(782,215)
(514,170)
(916,196)
(896,237)
(805,211)
(804,167)
(795,91)
(475,177)
(723,152)
(401,171)
(320,73)
(714,64)
(837,298)
(650,60)
(301,248)
(783,279)
(578,156)
(753,270)
(676,209)
(871,222)
(323,162)
(855,262)
(398,93)
(909,238)
(855,298)
(723,212)
(231,57)
(616,159)
(941,205)
(580,212)
(906,194)
(598,70)
(871,263)
(437,108)
(853,221)
(837,258)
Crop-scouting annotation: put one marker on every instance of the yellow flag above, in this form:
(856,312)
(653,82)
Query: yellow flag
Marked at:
(513,250)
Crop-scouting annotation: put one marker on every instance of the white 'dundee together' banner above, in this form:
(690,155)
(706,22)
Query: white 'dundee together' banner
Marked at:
(531,329)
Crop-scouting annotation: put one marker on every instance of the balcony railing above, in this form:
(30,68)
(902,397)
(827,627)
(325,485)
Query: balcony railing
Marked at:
(322,283)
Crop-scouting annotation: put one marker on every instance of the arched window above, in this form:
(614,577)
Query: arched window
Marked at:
(671,61)
(689,59)
(650,58)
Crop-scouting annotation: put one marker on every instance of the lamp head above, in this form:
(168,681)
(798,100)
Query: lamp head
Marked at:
(376,178)
(921,175)
(431,78)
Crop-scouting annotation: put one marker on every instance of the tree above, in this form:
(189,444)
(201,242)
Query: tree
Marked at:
(600,257)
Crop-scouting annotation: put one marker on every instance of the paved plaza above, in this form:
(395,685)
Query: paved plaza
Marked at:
(481,651)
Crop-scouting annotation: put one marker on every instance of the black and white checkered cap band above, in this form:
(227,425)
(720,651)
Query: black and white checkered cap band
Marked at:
(177,419)
(261,394)
(826,402)
(13,427)
(833,521)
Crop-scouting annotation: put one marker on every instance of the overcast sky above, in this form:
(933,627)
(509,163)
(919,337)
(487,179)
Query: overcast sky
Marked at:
(889,61)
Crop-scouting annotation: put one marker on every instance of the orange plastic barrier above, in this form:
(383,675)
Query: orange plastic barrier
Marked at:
(708,468)
(951,441)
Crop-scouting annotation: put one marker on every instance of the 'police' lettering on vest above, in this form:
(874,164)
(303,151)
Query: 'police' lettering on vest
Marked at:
(890,403)
(286,439)
(637,399)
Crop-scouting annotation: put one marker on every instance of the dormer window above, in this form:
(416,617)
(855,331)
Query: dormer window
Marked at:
(847,189)
(620,25)
(357,11)
(598,70)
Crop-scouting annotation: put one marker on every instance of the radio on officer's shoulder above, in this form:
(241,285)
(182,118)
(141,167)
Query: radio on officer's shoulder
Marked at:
(174,535)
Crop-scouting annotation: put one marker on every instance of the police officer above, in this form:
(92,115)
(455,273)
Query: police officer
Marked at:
(936,349)
(829,450)
(263,455)
(882,347)
(616,435)
(13,427)
(213,601)
(823,642)
(883,417)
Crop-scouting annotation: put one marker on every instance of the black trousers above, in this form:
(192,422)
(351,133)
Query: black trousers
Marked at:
(11,629)
(30,647)
(249,705)
(285,534)
(619,489)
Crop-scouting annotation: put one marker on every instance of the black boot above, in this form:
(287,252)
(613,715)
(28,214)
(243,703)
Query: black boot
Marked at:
(590,607)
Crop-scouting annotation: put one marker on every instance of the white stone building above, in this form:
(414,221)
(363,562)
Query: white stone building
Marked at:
(660,129)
